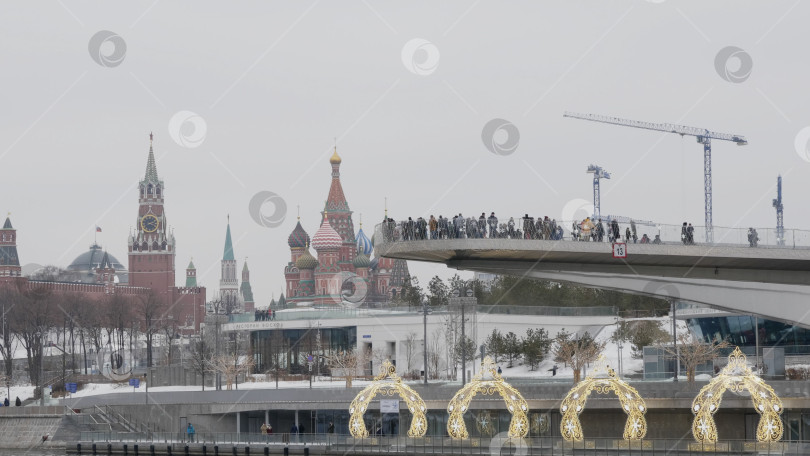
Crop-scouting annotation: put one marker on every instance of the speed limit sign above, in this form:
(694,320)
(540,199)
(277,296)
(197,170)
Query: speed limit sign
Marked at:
(619,250)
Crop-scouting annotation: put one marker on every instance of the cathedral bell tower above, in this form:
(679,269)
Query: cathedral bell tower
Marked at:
(151,246)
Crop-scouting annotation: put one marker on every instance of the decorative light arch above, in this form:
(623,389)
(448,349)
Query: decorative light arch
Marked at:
(603,379)
(737,377)
(487,382)
(387,383)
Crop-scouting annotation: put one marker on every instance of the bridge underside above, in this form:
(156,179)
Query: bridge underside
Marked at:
(769,283)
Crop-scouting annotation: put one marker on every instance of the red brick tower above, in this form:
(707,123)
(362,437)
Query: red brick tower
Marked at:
(105,274)
(151,247)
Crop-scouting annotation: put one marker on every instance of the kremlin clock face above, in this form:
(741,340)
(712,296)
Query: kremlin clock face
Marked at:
(149,223)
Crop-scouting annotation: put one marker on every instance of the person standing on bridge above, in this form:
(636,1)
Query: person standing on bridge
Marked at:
(684,234)
(527,224)
(433,226)
(492,221)
(753,237)
(482,226)
(615,232)
(190,432)
(633,230)
(690,234)
(510,227)
(627,234)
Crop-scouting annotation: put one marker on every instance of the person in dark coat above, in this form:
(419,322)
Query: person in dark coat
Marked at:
(331,428)
(6,402)
(18,402)
(684,235)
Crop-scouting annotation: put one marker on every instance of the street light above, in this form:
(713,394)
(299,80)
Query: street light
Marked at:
(41,382)
(469,293)
(425,311)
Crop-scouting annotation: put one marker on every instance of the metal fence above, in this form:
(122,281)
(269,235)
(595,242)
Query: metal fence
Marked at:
(668,233)
(497,445)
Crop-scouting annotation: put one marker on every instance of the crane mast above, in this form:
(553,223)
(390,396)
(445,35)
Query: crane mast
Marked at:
(777,203)
(598,173)
(702,135)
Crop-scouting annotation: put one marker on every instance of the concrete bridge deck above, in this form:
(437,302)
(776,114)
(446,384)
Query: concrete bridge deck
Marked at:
(772,283)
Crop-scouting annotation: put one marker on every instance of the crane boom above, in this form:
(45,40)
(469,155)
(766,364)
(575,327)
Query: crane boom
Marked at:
(665,127)
(702,135)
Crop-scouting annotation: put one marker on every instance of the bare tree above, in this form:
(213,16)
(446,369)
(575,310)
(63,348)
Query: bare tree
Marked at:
(231,365)
(149,309)
(577,351)
(201,357)
(411,343)
(435,351)
(31,323)
(9,298)
(693,352)
(344,364)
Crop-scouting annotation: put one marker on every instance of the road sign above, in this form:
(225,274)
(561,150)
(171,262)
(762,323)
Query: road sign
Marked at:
(135,382)
(71,387)
(619,250)
(310,359)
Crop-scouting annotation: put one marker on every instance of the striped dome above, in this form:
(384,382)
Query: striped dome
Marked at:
(364,243)
(361,260)
(326,237)
(298,238)
(306,261)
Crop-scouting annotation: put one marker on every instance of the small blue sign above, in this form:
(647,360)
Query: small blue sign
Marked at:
(136,382)
(71,387)
(366,336)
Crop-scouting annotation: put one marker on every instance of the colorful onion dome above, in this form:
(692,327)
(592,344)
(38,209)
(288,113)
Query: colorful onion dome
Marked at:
(298,238)
(335,159)
(306,261)
(363,242)
(361,260)
(326,237)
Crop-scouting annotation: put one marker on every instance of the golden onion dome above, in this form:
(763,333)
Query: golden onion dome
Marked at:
(335,160)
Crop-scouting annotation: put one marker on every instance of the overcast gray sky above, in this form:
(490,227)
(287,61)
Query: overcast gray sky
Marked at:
(275,82)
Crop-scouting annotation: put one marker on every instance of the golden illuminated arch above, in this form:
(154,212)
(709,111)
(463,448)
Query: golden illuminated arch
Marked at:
(737,377)
(487,382)
(603,379)
(387,383)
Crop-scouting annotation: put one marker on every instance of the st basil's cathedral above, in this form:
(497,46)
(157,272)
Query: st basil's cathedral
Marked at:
(343,263)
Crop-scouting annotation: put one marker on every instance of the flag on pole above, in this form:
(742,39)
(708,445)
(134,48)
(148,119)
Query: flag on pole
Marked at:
(98,229)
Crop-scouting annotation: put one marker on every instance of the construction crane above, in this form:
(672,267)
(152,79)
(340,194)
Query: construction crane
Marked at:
(598,173)
(703,137)
(777,203)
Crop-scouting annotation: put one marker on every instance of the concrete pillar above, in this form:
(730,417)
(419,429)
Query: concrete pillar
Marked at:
(267,417)
(238,424)
(296,417)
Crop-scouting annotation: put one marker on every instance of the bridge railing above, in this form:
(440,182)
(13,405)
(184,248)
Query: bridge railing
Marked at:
(499,444)
(573,231)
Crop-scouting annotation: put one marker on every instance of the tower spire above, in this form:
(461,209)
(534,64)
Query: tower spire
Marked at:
(228,255)
(151,168)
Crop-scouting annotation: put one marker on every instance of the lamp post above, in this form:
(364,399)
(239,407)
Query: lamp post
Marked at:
(425,312)
(41,335)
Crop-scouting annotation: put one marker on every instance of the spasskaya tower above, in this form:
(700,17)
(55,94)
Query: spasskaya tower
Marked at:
(151,246)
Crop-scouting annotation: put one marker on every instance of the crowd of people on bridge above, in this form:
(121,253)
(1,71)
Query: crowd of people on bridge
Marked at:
(526,227)
(264,315)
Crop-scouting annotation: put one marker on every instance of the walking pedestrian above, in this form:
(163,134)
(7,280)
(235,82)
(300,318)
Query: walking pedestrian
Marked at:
(190,432)
(633,230)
